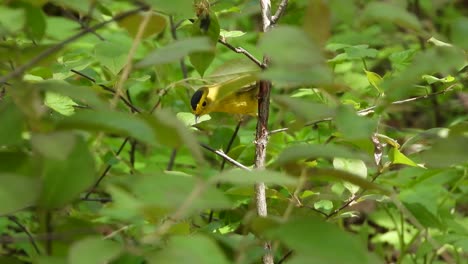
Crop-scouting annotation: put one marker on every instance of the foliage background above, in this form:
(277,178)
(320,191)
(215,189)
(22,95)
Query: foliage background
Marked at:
(100,160)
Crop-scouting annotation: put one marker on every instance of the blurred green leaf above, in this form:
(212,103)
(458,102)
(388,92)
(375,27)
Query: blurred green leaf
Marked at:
(175,51)
(353,126)
(170,191)
(242,177)
(12,122)
(156,24)
(459,31)
(302,62)
(17,192)
(306,237)
(421,201)
(305,109)
(325,205)
(183,8)
(189,249)
(11,20)
(231,34)
(298,152)
(317,21)
(113,53)
(171,132)
(93,250)
(111,122)
(65,178)
(35,22)
(391,12)
(446,152)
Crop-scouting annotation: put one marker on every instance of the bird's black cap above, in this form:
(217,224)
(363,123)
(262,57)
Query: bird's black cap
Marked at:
(196,99)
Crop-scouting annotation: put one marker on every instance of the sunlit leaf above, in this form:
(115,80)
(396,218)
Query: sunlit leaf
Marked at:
(399,158)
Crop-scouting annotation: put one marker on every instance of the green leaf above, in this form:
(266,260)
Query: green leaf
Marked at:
(175,51)
(354,166)
(242,177)
(352,126)
(304,109)
(65,178)
(306,235)
(421,202)
(17,192)
(399,158)
(113,53)
(35,22)
(189,249)
(170,191)
(47,144)
(111,122)
(298,152)
(93,250)
(205,25)
(392,13)
(375,80)
(12,122)
(446,152)
(432,79)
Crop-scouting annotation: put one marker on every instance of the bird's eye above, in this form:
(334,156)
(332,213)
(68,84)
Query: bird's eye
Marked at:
(204,104)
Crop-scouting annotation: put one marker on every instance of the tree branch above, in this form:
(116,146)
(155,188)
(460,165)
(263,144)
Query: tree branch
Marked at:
(20,70)
(226,157)
(279,12)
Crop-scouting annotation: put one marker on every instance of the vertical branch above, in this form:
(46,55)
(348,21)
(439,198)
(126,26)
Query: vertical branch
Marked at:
(261,138)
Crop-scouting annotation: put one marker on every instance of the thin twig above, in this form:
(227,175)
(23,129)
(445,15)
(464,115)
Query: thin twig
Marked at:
(106,170)
(170,164)
(46,53)
(242,51)
(226,157)
(23,228)
(285,257)
(231,141)
(107,88)
(49,231)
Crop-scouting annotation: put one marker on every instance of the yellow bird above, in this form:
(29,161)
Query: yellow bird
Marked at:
(232,96)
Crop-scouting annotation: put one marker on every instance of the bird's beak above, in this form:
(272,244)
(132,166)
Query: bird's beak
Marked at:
(196,119)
